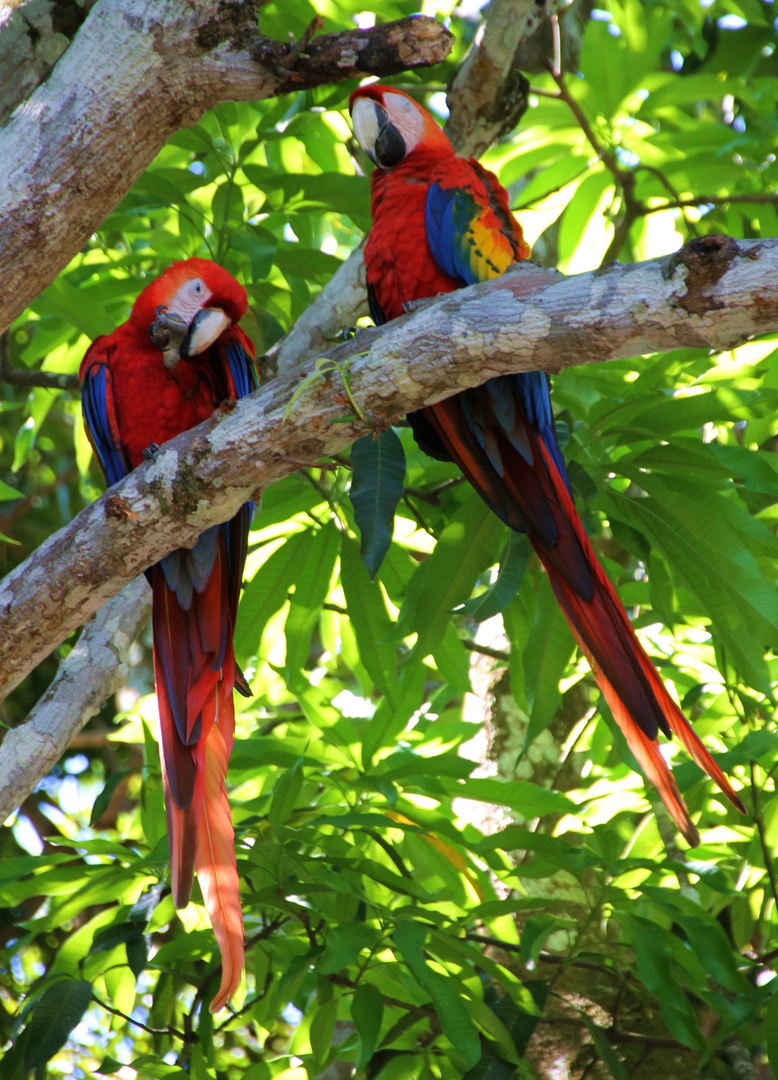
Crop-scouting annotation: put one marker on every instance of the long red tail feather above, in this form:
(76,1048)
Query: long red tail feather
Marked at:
(195,755)
(530,493)
(216,865)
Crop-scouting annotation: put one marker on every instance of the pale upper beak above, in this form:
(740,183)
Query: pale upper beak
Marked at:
(205,328)
(170,333)
(378,136)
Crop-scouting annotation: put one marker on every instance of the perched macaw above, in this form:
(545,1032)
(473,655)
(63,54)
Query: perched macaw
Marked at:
(176,358)
(440,223)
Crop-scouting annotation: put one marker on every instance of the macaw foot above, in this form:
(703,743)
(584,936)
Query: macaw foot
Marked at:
(151,451)
(168,332)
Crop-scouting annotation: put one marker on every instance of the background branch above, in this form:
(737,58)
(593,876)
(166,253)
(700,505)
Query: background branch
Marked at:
(95,668)
(163,64)
(488,95)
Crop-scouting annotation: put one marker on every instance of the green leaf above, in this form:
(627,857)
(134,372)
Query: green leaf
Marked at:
(537,929)
(409,937)
(455,1020)
(321,1031)
(710,561)
(771,1032)
(367,1011)
(453,660)
(103,800)
(285,793)
(529,799)
(8,492)
(494,1028)
(312,582)
(53,1016)
(496,598)
(546,656)
(268,591)
(344,944)
(605,1051)
(137,955)
(467,546)
(376,488)
(371,622)
(78,307)
(390,719)
(653,957)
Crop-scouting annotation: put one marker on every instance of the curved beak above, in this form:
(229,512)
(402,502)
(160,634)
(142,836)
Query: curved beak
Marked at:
(207,325)
(378,136)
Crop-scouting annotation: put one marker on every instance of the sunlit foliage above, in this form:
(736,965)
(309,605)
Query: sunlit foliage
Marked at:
(369,867)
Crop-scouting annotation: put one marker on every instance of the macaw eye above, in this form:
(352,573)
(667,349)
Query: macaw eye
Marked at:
(197,287)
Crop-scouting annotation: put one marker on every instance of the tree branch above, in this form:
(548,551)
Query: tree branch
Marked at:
(95,668)
(488,95)
(33,36)
(163,64)
(714,293)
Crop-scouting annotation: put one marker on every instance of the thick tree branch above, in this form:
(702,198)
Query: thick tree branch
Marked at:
(488,95)
(163,63)
(95,668)
(715,293)
(33,36)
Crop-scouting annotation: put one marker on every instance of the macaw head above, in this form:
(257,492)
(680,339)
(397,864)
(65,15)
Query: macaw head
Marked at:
(390,126)
(188,307)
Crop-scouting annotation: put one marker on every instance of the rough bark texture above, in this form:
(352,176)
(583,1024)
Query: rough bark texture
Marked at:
(715,292)
(76,145)
(95,668)
(33,36)
(488,95)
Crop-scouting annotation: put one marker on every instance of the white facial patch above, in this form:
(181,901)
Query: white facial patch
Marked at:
(406,117)
(189,298)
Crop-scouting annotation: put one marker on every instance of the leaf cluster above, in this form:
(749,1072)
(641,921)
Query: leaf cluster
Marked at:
(414,906)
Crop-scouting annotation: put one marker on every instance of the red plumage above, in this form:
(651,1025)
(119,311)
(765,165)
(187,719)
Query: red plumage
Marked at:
(177,357)
(440,223)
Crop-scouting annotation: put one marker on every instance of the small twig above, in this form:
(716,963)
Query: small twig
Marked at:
(433,495)
(269,727)
(557,40)
(690,225)
(485,650)
(761,197)
(631,213)
(553,94)
(759,820)
(14,376)
(605,156)
(169,1030)
(418,518)
(407,1006)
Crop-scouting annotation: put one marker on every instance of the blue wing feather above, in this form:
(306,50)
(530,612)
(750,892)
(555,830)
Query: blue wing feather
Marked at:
(452,220)
(95,394)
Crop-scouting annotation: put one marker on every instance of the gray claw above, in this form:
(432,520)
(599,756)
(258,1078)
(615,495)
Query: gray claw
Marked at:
(168,332)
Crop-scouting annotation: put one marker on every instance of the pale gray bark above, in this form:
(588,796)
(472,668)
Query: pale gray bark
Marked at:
(487,96)
(341,302)
(95,668)
(135,72)
(715,292)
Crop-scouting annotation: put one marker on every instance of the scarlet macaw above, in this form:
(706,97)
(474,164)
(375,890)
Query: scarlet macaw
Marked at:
(178,356)
(440,223)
